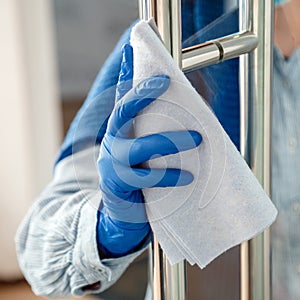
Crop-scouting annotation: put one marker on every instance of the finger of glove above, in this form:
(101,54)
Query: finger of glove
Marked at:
(147,178)
(126,72)
(156,145)
(136,100)
(131,152)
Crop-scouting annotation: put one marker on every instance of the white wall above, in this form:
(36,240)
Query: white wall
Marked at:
(29,116)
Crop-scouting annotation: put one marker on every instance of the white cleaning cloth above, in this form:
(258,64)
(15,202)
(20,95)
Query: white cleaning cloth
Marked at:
(225,205)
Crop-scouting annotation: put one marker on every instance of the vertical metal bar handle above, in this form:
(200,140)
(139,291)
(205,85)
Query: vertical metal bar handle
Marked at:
(168,282)
(256,87)
(256,17)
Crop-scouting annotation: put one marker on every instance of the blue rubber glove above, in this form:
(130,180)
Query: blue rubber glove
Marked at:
(122,223)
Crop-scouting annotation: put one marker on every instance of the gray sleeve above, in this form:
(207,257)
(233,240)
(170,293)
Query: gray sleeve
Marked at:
(56,242)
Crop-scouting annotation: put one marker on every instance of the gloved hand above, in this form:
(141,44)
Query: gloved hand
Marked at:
(122,223)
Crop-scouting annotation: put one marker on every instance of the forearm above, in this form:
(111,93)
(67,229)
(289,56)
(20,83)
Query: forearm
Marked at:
(56,243)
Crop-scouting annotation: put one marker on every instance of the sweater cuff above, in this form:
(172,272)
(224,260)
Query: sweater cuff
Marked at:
(86,257)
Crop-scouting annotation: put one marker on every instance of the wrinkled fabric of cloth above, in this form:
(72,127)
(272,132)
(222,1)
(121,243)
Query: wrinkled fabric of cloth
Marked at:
(225,205)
